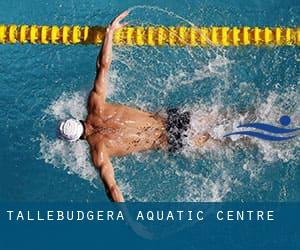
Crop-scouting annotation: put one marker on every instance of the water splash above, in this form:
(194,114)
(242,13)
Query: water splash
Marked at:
(74,158)
(192,185)
(214,84)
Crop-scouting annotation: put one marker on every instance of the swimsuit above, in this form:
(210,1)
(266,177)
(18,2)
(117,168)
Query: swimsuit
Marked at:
(177,124)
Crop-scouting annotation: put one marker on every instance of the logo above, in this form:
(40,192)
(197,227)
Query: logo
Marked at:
(272,133)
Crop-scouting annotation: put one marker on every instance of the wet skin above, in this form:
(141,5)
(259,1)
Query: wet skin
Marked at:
(123,130)
(118,130)
(112,129)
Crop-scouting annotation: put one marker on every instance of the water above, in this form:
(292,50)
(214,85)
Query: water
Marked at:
(42,84)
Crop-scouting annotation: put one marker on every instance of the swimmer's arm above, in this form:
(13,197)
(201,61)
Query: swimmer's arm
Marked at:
(103,164)
(105,56)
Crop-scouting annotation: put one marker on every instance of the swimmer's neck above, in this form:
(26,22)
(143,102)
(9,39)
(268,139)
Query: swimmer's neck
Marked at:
(88,130)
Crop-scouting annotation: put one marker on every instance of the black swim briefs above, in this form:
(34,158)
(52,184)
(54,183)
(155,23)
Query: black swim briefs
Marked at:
(177,124)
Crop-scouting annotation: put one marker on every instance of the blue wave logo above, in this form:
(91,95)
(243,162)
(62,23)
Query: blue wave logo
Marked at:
(279,133)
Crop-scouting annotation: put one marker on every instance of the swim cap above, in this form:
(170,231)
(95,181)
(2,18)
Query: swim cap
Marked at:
(70,130)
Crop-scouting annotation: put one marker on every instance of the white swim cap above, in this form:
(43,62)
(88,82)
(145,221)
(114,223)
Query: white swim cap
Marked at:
(70,130)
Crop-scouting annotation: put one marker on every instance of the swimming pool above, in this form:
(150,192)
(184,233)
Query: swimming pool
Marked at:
(42,84)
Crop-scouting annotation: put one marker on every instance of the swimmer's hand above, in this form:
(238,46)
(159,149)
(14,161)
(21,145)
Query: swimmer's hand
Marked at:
(115,24)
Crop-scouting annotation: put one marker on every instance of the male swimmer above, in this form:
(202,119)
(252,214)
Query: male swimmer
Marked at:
(117,130)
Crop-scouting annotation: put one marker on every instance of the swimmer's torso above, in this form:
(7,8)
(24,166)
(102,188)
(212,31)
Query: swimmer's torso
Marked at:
(124,130)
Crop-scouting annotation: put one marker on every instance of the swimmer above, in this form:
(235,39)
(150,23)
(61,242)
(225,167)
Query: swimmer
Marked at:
(114,130)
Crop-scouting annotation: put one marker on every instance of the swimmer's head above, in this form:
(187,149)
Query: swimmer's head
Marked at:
(70,130)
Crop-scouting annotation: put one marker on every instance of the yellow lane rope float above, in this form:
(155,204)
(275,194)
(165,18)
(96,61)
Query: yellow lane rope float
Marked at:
(152,36)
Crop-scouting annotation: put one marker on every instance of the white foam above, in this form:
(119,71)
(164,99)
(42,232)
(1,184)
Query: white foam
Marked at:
(216,121)
(68,105)
(214,118)
(185,183)
(271,110)
(73,157)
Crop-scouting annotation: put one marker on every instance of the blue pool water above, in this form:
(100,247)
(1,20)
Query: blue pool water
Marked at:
(42,84)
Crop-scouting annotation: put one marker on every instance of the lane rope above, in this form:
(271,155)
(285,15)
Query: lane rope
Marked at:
(152,35)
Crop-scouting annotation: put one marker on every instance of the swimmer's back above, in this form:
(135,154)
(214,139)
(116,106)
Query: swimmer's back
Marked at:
(126,130)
